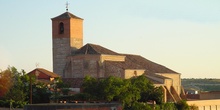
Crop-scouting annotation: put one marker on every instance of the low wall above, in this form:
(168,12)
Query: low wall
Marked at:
(11,108)
(75,106)
(206,104)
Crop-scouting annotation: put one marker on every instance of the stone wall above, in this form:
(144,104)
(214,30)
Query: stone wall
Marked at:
(92,65)
(83,65)
(129,73)
(112,58)
(176,80)
(61,49)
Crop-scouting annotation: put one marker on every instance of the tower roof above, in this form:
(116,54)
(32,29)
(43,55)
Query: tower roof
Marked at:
(94,49)
(66,15)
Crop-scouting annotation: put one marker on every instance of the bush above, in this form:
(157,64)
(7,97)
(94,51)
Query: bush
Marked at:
(6,103)
(168,106)
(182,105)
(140,106)
(193,107)
(84,97)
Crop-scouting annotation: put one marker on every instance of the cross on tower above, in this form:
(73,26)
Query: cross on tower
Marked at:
(67,4)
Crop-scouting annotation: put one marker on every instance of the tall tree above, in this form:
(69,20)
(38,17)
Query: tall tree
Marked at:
(91,86)
(128,91)
(17,91)
(110,87)
(6,82)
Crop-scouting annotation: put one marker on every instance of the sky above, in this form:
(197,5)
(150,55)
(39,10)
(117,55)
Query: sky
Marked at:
(181,35)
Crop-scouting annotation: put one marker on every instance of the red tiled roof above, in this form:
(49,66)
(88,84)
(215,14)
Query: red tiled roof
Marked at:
(48,73)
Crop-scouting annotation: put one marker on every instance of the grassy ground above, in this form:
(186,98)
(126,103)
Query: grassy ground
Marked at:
(202,84)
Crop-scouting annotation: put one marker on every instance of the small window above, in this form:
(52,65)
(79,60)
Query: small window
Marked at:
(61,28)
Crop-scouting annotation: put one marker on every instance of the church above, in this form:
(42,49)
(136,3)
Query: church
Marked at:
(73,61)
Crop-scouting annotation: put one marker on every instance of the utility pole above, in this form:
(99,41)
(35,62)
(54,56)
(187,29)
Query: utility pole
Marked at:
(30,90)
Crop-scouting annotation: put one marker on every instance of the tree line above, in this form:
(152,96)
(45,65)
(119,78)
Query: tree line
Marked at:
(133,93)
(18,89)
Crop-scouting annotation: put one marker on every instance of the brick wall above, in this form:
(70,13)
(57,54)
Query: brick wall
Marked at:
(64,43)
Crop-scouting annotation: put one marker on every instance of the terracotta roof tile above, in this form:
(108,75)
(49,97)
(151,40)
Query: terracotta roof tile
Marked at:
(48,73)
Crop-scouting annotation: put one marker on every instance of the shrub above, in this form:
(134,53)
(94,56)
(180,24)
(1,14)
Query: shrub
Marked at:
(140,106)
(168,106)
(193,107)
(182,105)
(7,103)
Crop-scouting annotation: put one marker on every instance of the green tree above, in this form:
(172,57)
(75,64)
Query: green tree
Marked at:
(91,86)
(144,87)
(182,105)
(40,93)
(168,106)
(110,87)
(140,106)
(16,91)
(127,91)
(147,90)
(63,87)
(18,88)
(156,94)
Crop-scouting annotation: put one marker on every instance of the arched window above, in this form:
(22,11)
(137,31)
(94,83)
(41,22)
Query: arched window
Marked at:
(61,28)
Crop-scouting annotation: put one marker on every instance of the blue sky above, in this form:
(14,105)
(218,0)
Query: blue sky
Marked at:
(181,35)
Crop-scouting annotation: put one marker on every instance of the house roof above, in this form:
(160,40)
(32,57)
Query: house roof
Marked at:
(94,49)
(66,15)
(131,61)
(48,73)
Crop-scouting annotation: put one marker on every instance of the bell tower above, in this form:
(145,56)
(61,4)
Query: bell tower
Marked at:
(67,37)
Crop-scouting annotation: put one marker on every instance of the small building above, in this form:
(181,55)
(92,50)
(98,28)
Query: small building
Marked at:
(43,75)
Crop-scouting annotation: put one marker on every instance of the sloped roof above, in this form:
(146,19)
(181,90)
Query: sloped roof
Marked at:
(94,49)
(66,15)
(151,67)
(124,65)
(139,62)
(48,73)
(131,61)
